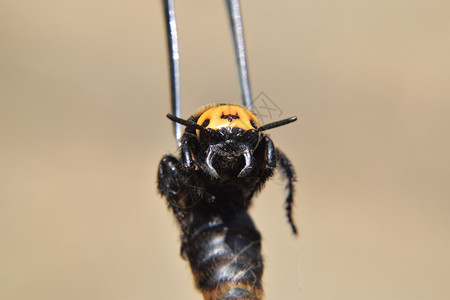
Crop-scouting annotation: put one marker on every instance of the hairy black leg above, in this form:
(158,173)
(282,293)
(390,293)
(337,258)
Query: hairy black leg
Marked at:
(287,169)
(170,185)
(169,177)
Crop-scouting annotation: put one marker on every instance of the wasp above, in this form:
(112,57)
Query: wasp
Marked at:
(224,159)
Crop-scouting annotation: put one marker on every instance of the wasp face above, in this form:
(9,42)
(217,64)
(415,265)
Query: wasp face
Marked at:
(229,150)
(228,139)
(220,140)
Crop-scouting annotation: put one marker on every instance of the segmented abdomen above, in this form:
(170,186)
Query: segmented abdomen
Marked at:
(224,252)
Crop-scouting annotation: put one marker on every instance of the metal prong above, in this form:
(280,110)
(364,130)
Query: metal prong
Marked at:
(234,12)
(172,38)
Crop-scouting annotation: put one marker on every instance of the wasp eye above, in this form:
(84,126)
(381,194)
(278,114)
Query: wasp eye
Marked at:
(205,123)
(253,124)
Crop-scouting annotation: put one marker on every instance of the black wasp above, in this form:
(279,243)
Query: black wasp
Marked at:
(225,158)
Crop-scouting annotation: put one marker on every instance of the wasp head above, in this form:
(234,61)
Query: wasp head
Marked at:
(227,136)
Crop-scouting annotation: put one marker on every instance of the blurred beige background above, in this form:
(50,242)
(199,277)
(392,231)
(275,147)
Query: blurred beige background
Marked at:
(83,96)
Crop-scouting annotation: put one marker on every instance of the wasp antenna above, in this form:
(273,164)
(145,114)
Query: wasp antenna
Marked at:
(277,124)
(185,122)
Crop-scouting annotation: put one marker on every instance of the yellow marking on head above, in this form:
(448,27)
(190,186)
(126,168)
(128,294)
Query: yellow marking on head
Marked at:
(228,115)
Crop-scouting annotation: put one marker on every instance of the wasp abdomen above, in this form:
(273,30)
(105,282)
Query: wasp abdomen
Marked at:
(225,257)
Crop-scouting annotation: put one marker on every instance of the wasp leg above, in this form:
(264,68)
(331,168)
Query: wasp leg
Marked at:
(189,165)
(169,178)
(287,169)
(171,183)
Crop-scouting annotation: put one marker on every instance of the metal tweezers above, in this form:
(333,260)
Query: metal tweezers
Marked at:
(234,13)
